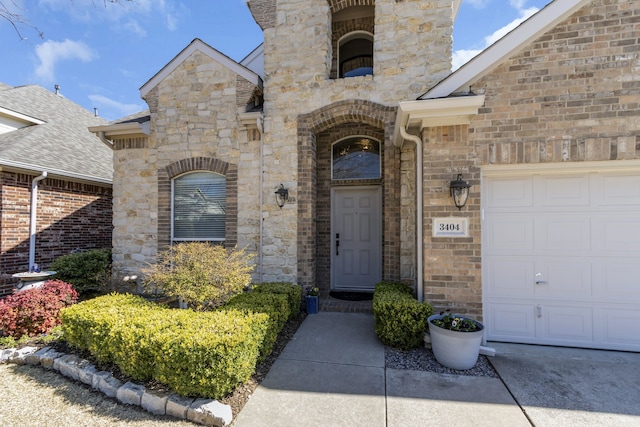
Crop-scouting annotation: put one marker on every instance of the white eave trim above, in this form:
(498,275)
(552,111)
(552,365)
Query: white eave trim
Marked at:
(456,8)
(53,173)
(21,117)
(118,129)
(417,115)
(250,120)
(195,45)
(481,65)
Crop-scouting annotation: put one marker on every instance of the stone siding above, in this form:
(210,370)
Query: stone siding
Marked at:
(573,95)
(412,52)
(194,126)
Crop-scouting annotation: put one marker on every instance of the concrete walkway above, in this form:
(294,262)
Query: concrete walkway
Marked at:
(332,373)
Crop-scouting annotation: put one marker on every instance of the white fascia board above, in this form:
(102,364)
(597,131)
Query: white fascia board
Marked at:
(490,58)
(456,8)
(133,128)
(417,115)
(195,45)
(52,172)
(20,117)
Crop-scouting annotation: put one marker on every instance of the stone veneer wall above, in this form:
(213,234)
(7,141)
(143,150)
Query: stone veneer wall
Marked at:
(412,52)
(573,95)
(194,126)
(70,216)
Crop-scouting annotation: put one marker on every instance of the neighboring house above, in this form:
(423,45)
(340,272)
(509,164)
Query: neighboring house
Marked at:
(355,113)
(42,132)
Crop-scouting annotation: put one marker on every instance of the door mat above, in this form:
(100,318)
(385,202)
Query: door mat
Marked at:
(352,296)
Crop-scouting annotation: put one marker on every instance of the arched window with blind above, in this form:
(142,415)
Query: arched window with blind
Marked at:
(198,207)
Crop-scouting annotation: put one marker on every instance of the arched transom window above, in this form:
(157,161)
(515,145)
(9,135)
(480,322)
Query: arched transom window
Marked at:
(356,158)
(198,207)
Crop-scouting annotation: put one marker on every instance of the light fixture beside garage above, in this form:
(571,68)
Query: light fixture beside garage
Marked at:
(459,191)
(282,195)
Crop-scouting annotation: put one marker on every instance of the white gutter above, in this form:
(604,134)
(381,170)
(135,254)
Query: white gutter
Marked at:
(260,124)
(32,219)
(419,211)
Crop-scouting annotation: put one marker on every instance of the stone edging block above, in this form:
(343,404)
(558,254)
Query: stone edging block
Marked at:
(207,412)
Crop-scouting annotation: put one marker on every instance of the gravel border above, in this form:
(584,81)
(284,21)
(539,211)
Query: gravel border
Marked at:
(422,359)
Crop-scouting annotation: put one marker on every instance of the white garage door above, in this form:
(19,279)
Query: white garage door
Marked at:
(561,255)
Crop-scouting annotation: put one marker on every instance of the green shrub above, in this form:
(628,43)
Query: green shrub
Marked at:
(201,274)
(291,290)
(86,271)
(274,305)
(195,353)
(399,319)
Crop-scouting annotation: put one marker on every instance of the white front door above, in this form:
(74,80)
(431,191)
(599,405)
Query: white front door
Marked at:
(356,238)
(561,255)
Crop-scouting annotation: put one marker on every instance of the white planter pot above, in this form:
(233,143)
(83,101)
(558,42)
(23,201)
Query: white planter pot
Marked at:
(454,349)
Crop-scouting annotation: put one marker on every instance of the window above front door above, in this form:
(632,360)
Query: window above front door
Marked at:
(356,158)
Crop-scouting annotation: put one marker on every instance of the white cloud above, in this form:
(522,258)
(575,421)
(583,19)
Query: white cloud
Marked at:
(50,53)
(462,56)
(134,16)
(117,108)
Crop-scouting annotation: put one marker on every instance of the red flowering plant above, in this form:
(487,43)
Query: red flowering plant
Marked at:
(35,311)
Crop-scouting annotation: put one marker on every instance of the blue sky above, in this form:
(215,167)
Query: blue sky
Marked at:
(100,53)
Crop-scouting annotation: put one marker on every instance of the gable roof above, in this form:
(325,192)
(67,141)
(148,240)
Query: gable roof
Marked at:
(201,46)
(490,58)
(51,135)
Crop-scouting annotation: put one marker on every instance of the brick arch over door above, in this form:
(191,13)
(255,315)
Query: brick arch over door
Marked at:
(193,164)
(338,5)
(346,113)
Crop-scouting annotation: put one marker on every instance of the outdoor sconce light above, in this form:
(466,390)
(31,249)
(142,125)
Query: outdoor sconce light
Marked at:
(282,195)
(459,191)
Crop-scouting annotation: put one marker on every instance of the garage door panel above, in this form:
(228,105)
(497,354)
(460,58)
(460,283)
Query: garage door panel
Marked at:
(511,276)
(618,190)
(620,233)
(562,191)
(619,281)
(619,327)
(564,279)
(563,233)
(510,192)
(565,324)
(510,233)
(510,320)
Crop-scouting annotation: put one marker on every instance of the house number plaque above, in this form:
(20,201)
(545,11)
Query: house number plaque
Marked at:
(450,227)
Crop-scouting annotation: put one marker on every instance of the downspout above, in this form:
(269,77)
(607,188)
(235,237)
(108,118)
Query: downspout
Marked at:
(104,139)
(419,210)
(260,124)
(32,219)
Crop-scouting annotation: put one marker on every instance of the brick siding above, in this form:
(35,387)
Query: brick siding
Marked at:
(70,216)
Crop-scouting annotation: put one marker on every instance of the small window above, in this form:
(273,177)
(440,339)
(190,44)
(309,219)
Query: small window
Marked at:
(356,158)
(199,207)
(355,54)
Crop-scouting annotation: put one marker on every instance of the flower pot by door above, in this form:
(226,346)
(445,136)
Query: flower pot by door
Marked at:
(312,304)
(455,349)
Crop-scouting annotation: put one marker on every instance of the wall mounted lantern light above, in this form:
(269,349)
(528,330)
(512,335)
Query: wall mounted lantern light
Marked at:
(282,195)
(459,191)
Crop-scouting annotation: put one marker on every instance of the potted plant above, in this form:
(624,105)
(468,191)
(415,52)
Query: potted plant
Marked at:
(312,300)
(455,339)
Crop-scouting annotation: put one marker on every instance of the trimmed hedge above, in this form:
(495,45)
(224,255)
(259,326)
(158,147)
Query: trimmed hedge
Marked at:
(400,321)
(205,354)
(291,290)
(274,305)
